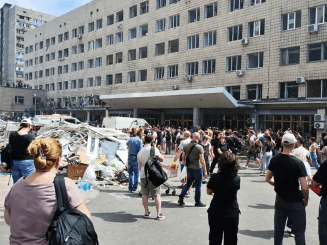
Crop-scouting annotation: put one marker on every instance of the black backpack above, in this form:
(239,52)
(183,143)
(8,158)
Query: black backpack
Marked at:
(69,226)
(6,157)
(154,171)
(168,135)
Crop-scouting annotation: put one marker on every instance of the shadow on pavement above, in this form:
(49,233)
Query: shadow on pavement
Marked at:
(258,181)
(262,206)
(260,234)
(120,217)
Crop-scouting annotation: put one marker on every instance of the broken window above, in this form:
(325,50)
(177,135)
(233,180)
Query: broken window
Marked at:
(254,92)
(110,20)
(144,30)
(144,7)
(161,3)
(143,52)
(131,77)
(109,79)
(317,15)
(119,57)
(132,54)
(291,20)
(255,60)
(317,51)
(254,2)
(234,63)
(173,46)
(210,10)
(290,56)
(257,28)
(174,21)
(194,15)
(118,78)
(160,25)
(235,5)
(133,11)
(235,91)
(131,33)
(208,66)
(110,59)
(159,73)
(192,68)
(143,75)
(160,49)
(193,42)
(173,71)
(110,40)
(209,38)
(119,37)
(288,90)
(119,16)
(317,89)
(235,33)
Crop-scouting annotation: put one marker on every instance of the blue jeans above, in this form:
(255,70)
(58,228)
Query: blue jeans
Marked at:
(323,221)
(193,175)
(314,160)
(276,152)
(134,173)
(21,168)
(265,161)
(168,146)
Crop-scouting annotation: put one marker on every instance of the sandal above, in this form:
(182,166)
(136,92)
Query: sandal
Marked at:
(147,214)
(160,217)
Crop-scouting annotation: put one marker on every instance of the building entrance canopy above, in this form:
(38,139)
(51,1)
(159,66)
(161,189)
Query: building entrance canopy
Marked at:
(200,98)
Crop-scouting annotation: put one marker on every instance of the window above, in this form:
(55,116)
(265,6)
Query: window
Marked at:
(288,90)
(173,1)
(47,72)
(47,87)
(235,5)
(110,59)
(173,71)
(317,89)
(41,45)
(47,42)
(26,63)
(80,83)
(317,51)
(90,82)
(192,68)
(36,74)
(119,37)
(99,23)
(36,46)
(235,91)
(131,33)
(120,16)
(110,40)
(160,49)
(74,67)
(291,20)
(131,77)
(143,75)
(47,57)
(133,11)
(98,43)
(90,63)
(59,86)
(52,86)
(159,73)
(31,49)
(118,78)
(254,92)
(233,63)
(53,56)
(110,20)
(173,46)
(66,52)
(208,66)
(60,54)
(26,50)
(109,79)
(193,42)
(194,15)
(91,45)
(235,33)
(160,25)
(209,38)
(53,41)
(74,50)
(26,77)
(132,54)
(81,48)
(144,7)
(97,81)
(81,30)
(257,28)
(119,57)
(19,100)
(59,70)
(91,26)
(174,21)
(65,85)
(317,15)
(73,84)
(66,36)
(74,33)
(144,30)
(289,56)
(254,2)
(210,10)
(98,62)
(40,88)
(65,68)
(143,52)
(255,60)
(81,65)
(40,74)
(41,59)
(161,3)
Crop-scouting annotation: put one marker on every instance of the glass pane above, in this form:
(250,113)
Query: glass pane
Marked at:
(312,18)
(305,118)
(294,58)
(257,28)
(278,118)
(320,16)
(235,33)
(295,118)
(284,57)
(314,89)
(324,88)
(291,21)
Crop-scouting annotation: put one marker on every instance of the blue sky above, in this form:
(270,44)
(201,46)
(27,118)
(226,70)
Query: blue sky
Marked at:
(52,7)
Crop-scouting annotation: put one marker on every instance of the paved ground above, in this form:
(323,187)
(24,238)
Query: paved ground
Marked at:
(118,216)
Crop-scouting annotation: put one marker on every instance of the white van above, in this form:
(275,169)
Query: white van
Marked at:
(55,118)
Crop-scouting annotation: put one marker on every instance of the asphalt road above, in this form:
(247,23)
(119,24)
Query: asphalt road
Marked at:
(118,216)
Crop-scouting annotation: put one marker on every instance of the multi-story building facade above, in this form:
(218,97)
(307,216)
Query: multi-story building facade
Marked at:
(207,62)
(14,23)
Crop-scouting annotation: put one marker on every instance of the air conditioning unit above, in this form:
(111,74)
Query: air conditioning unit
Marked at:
(91,95)
(251,121)
(239,73)
(245,41)
(175,87)
(320,118)
(313,28)
(300,80)
(79,36)
(119,26)
(189,78)
(319,125)
(84,95)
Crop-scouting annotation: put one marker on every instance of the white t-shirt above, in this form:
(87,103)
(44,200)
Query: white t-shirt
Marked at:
(143,156)
(184,143)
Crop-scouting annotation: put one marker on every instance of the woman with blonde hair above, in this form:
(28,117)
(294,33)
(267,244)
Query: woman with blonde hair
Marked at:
(31,204)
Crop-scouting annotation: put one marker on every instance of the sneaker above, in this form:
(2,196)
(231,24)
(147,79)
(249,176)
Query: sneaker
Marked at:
(200,205)
(160,217)
(181,202)
(245,166)
(147,215)
(188,194)
(180,187)
(204,182)
(263,174)
(292,235)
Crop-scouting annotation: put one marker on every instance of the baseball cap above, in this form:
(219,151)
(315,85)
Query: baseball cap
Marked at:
(27,121)
(288,139)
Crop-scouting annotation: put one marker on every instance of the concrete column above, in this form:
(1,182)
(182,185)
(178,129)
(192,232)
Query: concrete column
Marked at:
(196,116)
(255,116)
(135,113)
(162,121)
(88,116)
(201,117)
(107,113)
(70,113)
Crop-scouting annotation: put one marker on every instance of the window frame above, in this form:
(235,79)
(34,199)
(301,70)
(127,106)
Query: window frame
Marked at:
(212,39)
(261,21)
(192,66)
(205,67)
(230,63)
(172,71)
(232,6)
(197,15)
(257,87)
(288,52)
(161,23)
(146,7)
(159,73)
(214,9)
(287,85)
(196,42)
(248,56)
(174,21)
(231,33)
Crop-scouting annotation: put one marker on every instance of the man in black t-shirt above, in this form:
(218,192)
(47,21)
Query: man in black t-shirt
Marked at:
(214,145)
(285,172)
(320,179)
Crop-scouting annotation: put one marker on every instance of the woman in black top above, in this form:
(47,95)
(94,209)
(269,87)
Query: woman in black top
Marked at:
(22,162)
(223,213)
